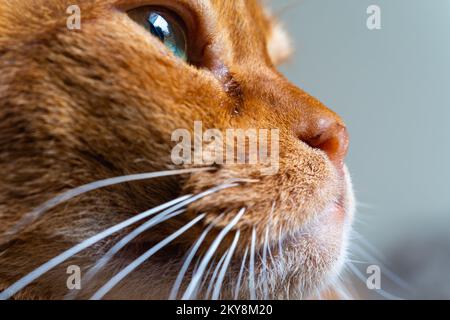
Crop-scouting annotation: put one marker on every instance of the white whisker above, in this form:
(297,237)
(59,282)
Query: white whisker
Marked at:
(252,266)
(381,292)
(280,243)
(136,263)
(271,226)
(26,280)
(205,277)
(29,278)
(214,275)
(187,262)
(386,271)
(341,291)
(372,248)
(164,216)
(197,263)
(357,261)
(75,192)
(264,258)
(189,258)
(209,254)
(220,278)
(241,273)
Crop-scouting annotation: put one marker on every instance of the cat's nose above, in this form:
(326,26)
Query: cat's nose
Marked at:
(325,131)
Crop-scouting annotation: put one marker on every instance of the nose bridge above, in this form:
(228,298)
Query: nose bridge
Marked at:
(304,116)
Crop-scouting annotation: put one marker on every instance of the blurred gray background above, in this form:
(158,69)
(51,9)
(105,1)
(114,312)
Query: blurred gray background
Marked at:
(392,87)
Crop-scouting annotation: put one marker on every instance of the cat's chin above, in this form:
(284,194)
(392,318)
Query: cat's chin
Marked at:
(314,256)
(305,262)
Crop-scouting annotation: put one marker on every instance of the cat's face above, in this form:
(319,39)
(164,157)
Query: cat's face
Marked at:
(79,106)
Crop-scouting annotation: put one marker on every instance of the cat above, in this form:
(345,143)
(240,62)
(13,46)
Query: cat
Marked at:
(79,106)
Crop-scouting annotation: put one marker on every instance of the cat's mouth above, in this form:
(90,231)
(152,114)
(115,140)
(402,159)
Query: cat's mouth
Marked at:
(336,217)
(316,251)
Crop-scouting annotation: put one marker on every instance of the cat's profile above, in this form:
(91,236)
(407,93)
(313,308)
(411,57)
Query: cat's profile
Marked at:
(81,106)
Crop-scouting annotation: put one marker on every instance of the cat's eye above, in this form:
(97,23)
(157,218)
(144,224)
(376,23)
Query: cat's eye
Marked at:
(165,26)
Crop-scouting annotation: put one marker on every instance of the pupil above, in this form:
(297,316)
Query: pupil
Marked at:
(158,26)
(156,31)
(171,37)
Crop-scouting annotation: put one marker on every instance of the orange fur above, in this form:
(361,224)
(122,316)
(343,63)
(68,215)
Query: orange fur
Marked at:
(79,106)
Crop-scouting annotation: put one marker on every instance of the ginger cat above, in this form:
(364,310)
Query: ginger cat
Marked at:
(84,105)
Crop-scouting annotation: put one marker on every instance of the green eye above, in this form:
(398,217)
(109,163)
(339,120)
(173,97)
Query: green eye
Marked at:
(164,26)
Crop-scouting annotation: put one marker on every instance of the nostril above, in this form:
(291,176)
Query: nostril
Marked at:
(332,139)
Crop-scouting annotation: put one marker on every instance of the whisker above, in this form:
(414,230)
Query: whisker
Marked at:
(197,263)
(75,192)
(342,292)
(205,277)
(288,7)
(348,285)
(30,277)
(264,259)
(241,272)
(386,271)
(160,218)
(371,247)
(209,254)
(187,262)
(136,263)
(271,226)
(36,273)
(219,282)
(214,275)
(280,242)
(252,267)
(361,277)
(357,261)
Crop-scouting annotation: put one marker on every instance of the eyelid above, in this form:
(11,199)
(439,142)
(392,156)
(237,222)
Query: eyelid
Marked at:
(180,8)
